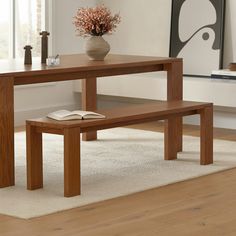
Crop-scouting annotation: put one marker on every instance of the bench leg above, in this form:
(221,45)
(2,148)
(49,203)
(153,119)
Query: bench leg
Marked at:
(72,162)
(179,135)
(206,135)
(34,158)
(171,136)
(89,103)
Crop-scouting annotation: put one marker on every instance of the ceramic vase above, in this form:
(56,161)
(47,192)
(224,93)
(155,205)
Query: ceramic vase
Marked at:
(97,48)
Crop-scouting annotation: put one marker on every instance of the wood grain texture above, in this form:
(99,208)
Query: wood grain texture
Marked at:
(7,176)
(72,162)
(71,64)
(206,135)
(89,103)
(34,156)
(76,74)
(207,205)
(170,143)
(175,93)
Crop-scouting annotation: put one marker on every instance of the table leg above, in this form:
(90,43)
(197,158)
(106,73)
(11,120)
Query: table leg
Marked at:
(7,177)
(89,102)
(175,93)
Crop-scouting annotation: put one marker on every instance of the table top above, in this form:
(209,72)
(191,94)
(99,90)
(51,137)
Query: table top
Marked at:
(76,63)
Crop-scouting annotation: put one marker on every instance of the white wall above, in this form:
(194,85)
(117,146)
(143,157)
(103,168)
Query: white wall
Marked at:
(145,30)
(65,39)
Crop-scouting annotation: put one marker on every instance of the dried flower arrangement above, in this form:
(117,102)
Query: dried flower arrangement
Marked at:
(95,21)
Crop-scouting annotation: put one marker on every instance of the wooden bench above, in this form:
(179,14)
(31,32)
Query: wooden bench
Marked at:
(114,118)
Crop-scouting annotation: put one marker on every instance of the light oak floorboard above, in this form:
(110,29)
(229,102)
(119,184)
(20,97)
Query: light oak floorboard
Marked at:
(202,206)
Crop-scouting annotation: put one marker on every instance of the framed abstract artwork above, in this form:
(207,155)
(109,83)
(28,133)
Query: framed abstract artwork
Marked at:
(197,35)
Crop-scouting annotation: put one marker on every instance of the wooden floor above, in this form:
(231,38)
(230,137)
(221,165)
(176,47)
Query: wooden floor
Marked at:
(204,206)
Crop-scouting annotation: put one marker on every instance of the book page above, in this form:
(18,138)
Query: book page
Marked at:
(87,114)
(64,115)
(61,113)
(73,115)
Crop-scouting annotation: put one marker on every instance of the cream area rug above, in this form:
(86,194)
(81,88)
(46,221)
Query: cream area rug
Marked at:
(121,162)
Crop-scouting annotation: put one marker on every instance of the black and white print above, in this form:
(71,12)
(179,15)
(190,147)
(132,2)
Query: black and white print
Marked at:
(197,30)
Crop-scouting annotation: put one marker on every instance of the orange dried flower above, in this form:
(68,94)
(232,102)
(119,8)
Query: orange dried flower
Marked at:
(95,21)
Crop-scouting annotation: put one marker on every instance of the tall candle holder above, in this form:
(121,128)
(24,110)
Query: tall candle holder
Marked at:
(44,46)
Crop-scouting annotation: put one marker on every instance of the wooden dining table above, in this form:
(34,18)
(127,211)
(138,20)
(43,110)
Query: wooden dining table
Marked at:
(13,72)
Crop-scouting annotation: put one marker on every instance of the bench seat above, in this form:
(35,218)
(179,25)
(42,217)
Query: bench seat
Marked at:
(123,116)
(115,117)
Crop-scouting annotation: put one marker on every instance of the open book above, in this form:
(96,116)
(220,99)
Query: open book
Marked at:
(74,115)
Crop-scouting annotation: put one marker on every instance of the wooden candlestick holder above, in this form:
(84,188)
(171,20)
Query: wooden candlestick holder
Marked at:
(44,46)
(28,55)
